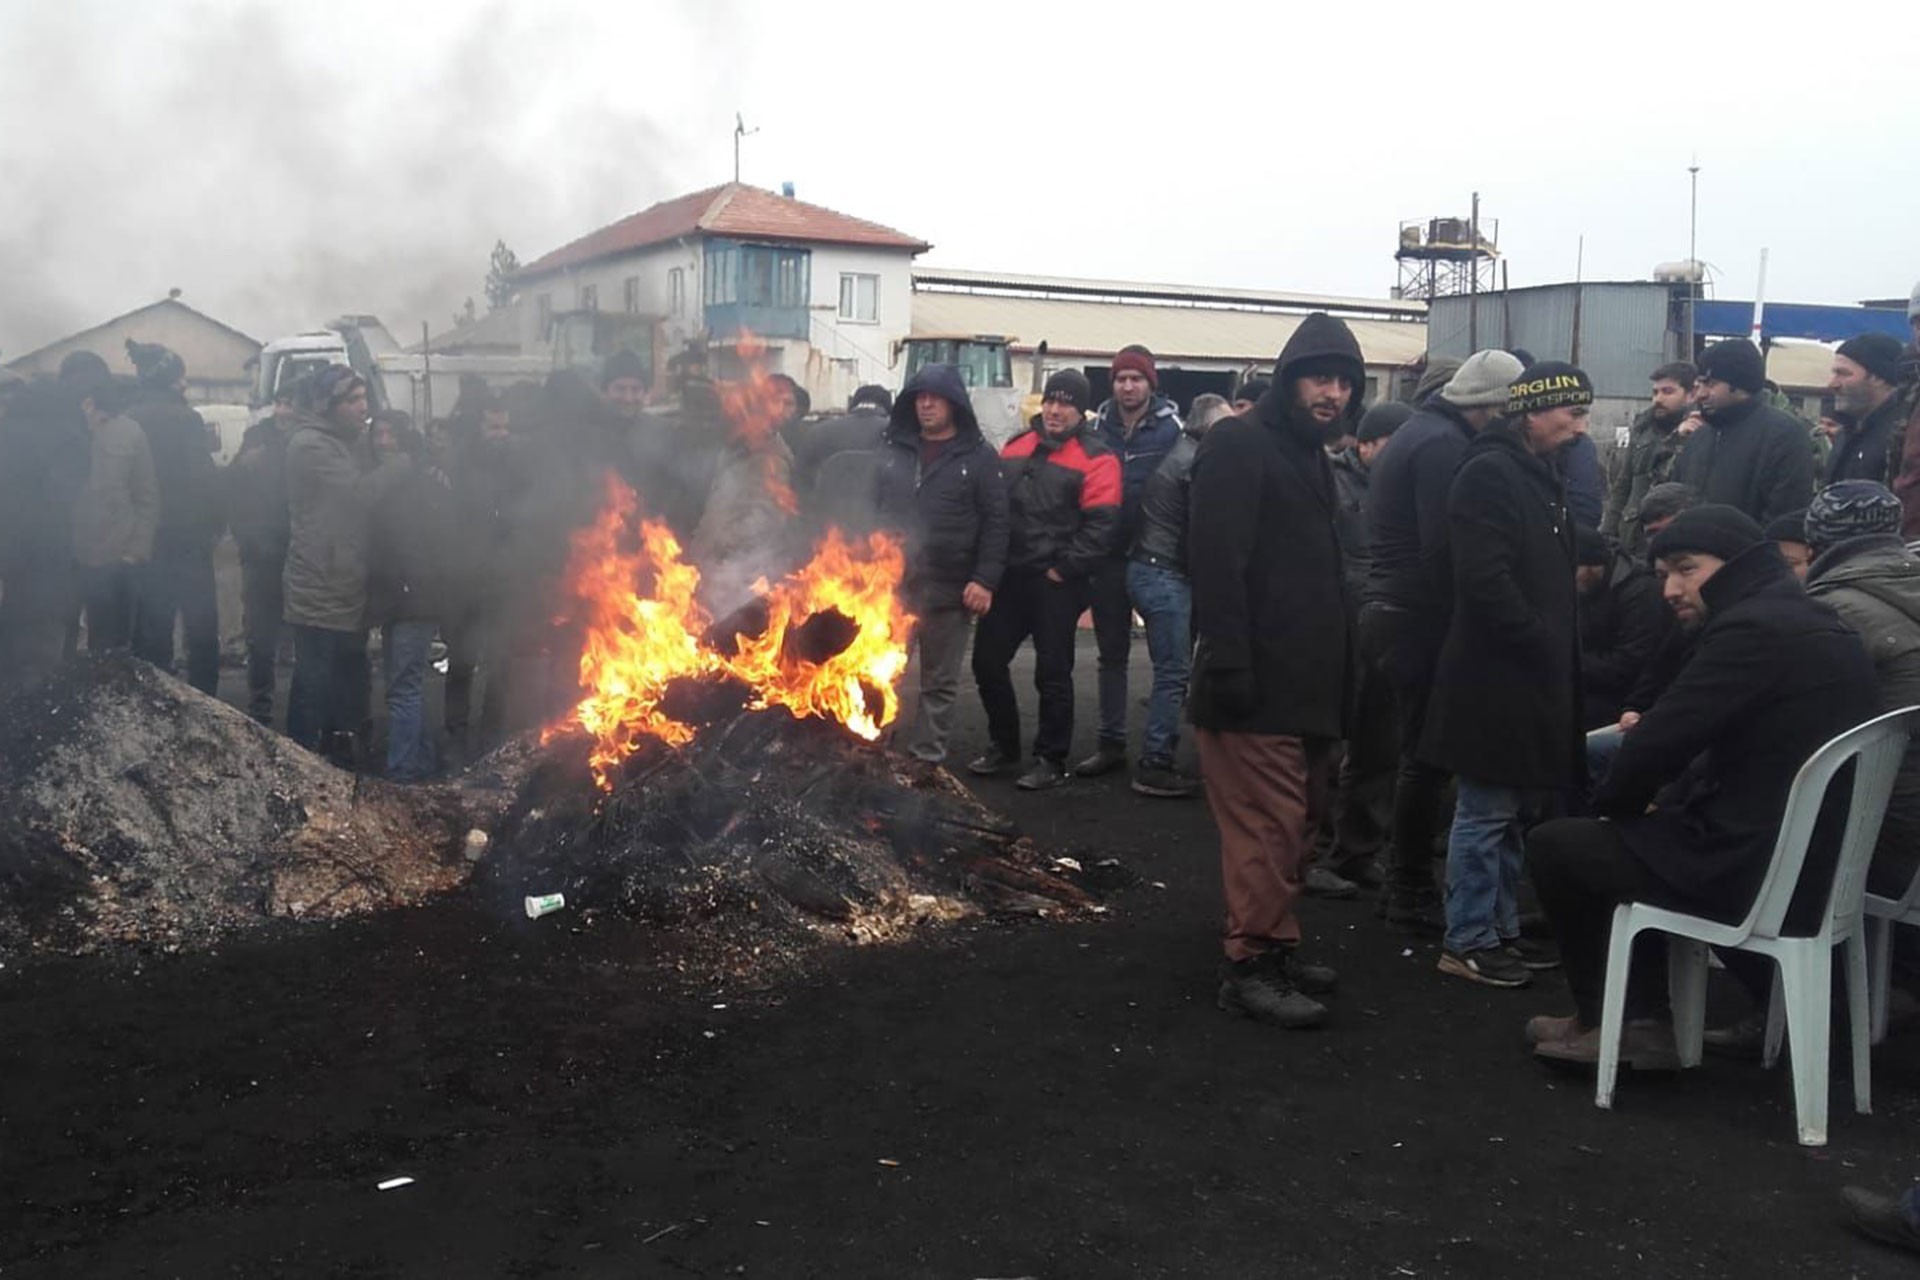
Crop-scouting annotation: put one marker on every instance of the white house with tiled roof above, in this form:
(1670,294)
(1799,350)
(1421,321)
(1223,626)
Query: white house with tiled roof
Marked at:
(829,294)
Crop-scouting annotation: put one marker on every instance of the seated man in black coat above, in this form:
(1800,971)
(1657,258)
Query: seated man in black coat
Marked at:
(1623,622)
(1692,805)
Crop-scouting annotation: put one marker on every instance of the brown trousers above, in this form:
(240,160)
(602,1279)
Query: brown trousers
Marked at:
(1267,794)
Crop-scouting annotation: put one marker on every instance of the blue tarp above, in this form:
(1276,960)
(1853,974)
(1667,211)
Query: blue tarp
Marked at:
(1798,320)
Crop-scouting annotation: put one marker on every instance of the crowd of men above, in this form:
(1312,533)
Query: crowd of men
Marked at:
(1423,645)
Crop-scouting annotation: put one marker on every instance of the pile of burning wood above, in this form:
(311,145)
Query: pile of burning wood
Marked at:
(713,774)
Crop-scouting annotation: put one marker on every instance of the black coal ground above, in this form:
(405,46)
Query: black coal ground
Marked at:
(1056,1099)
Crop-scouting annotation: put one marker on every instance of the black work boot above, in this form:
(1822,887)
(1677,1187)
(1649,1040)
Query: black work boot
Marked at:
(1107,757)
(1042,775)
(992,762)
(1261,989)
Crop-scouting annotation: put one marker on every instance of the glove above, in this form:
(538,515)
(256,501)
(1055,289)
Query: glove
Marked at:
(1235,692)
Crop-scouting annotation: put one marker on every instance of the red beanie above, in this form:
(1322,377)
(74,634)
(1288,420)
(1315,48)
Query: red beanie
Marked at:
(1137,362)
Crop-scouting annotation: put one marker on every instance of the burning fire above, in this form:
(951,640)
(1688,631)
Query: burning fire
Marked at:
(639,644)
(755,407)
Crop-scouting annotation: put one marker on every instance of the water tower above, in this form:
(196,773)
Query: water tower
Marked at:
(1445,256)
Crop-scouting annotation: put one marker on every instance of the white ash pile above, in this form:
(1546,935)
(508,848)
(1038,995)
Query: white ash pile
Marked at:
(134,809)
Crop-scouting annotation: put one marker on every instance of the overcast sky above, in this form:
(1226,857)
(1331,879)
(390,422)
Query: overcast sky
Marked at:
(284,163)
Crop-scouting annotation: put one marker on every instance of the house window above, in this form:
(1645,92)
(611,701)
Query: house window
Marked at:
(677,290)
(720,283)
(589,297)
(859,298)
(632,289)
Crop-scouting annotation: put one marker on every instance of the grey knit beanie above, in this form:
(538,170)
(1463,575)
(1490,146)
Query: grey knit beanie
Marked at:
(1482,380)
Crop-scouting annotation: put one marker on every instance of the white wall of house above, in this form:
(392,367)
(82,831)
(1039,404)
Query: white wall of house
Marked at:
(842,352)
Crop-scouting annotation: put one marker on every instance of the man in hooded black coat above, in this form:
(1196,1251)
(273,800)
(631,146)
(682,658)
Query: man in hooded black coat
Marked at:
(1273,664)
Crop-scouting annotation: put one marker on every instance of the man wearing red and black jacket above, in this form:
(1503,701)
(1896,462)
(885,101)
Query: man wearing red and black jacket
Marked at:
(1063,499)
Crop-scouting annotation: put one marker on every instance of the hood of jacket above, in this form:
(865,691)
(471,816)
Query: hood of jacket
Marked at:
(942,380)
(1321,337)
(1759,568)
(1879,556)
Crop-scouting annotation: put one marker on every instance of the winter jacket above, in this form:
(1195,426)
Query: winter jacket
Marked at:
(1407,515)
(411,558)
(1860,451)
(864,430)
(1652,448)
(1623,624)
(1063,500)
(1140,452)
(1160,538)
(954,511)
(1751,456)
(1586,481)
(1773,676)
(1351,480)
(44,450)
(1874,585)
(490,481)
(1903,459)
(330,503)
(118,511)
(191,511)
(256,484)
(1275,649)
(1504,708)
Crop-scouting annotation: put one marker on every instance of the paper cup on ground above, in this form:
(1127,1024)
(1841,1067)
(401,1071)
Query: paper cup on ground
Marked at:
(545,904)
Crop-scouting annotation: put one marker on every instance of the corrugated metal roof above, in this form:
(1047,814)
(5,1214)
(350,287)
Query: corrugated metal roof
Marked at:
(1078,327)
(1137,289)
(732,209)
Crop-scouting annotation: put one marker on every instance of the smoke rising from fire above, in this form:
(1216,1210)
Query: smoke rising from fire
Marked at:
(282,165)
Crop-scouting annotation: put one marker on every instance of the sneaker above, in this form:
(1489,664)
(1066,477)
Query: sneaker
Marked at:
(1363,871)
(1743,1039)
(1491,966)
(991,763)
(1881,1217)
(1105,759)
(1043,775)
(1536,956)
(1645,1045)
(1155,779)
(1261,989)
(1411,911)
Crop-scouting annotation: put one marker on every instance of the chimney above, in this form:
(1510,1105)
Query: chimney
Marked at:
(786,189)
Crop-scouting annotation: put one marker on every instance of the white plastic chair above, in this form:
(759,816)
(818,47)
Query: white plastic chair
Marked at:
(1804,982)
(1882,915)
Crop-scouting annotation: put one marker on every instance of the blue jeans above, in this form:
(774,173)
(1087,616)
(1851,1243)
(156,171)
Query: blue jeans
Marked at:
(405,645)
(1165,599)
(1485,861)
(1602,746)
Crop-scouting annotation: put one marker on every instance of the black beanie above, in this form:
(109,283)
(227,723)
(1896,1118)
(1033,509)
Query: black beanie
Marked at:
(1877,353)
(1382,420)
(1791,527)
(157,366)
(83,367)
(1714,530)
(1072,386)
(624,363)
(1549,384)
(1736,362)
(1589,546)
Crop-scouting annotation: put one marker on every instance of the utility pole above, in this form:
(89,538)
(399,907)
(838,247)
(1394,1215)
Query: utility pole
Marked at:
(740,131)
(1693,250)
(1473,278)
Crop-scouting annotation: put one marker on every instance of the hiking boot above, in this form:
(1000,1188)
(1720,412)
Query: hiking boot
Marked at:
(1319,882)
(1490,966)
(1536,956)
(1743,1039)
(1313,979)
(1645,1045)
(1153,778)
(1105,759)
(1043,775)
(991,763)
(1411,911)
(1365,872)
(1260,989)
(1547,1028)
(1881,1217)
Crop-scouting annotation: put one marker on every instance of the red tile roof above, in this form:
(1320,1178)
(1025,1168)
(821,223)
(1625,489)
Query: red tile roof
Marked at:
(733,209)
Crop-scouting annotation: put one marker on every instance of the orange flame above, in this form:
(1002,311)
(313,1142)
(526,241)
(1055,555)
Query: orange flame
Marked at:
(639,644)
(756,406)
